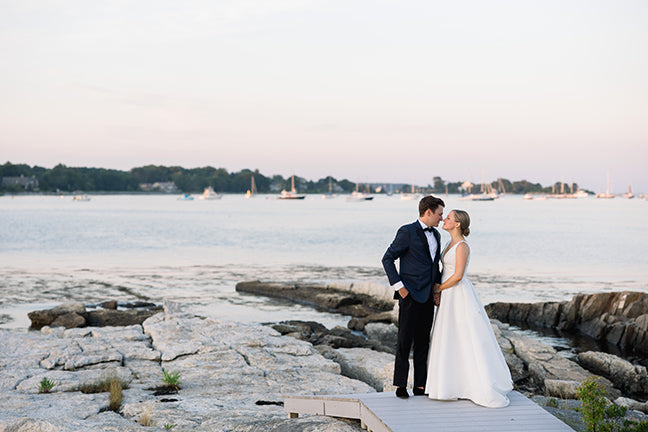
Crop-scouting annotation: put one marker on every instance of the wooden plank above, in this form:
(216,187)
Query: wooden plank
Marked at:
(384,412)
(428,415)
(342,408)
(304,406)
(373,422)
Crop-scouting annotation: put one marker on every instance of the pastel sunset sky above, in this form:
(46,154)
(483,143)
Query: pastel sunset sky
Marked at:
(369,90)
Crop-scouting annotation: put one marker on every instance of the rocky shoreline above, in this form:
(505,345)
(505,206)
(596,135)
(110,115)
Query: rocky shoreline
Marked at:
(538,370)
(616,318)
(234,375)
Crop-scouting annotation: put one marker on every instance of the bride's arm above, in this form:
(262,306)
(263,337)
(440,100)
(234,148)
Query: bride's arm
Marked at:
(460,267)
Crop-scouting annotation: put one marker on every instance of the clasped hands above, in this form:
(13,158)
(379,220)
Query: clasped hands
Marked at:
(436,292)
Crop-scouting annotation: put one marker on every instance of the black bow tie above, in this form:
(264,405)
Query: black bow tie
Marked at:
(430,229)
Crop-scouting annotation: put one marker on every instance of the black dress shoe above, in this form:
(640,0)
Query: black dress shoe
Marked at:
(419,392)
(401,392)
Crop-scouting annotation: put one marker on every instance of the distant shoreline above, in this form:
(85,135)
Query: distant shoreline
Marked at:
(175,179)
(144,193)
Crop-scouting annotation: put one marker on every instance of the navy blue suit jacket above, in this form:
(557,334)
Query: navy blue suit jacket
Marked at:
(418,270)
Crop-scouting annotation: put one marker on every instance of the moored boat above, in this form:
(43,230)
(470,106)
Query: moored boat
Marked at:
(292,195)
(629,194)
(477,197)
(210,194)
(253,190)
(606,194)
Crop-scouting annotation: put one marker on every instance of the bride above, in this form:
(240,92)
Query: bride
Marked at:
(465,360)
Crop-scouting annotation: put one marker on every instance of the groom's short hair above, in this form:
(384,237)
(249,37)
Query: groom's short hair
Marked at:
(429,202)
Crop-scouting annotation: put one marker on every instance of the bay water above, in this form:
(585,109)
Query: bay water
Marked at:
(150,247)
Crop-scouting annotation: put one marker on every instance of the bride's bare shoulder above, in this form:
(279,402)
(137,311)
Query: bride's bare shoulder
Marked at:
(463,247)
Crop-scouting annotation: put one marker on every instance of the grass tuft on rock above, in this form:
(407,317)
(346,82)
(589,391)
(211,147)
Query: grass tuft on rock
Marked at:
(101,386)
(146,418)
(171,380)
(115,395)
(45,385)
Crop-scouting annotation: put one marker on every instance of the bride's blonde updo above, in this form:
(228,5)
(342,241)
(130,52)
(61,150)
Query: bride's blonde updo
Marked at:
(464,222)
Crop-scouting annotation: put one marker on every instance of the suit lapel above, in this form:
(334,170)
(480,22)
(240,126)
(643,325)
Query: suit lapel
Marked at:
(423,238)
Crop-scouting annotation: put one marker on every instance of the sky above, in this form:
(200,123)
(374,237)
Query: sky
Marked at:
(368,90)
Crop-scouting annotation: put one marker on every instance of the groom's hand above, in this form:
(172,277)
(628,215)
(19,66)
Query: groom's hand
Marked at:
(437,295)
(403,292)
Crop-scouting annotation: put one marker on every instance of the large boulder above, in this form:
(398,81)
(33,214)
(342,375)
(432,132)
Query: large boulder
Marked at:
(371,367)
(113,318)
(515,364)
(563,389)
(327,297)
(385,334)
(542,362)
(69,320)
(76,315)
(619,318)
(631,379)
(632,404)
(337,337)
(46,317)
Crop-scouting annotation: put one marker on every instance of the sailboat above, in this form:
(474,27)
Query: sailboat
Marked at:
(628,194)
(292,195)
(390,192)
(330,194)
(607,193)
(209,194)
(562,194)
(501,190)
(486,192)
(359,196)
(490,191)
(253,190)
(409,196)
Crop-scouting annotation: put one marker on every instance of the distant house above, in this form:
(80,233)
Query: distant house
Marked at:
(165,187)
(28,183)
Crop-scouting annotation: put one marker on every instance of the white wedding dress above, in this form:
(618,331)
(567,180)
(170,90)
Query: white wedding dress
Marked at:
(465,360)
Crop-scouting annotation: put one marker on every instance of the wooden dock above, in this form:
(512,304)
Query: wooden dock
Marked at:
(384,412)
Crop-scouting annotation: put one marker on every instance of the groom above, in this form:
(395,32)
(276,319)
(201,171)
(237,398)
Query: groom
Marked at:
(417,247)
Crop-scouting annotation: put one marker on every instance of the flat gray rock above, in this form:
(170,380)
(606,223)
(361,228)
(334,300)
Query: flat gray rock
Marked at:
(233,377)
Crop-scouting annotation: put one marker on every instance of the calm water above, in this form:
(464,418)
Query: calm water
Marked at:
(152,247)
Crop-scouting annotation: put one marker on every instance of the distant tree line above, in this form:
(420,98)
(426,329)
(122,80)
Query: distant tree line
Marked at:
(62,178)
(439,186)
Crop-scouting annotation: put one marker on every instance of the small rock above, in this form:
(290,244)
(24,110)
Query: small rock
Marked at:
(69,320)
(631,404)
(171,307)
(386,334)
(109,317)
(110,304)
(562,389)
